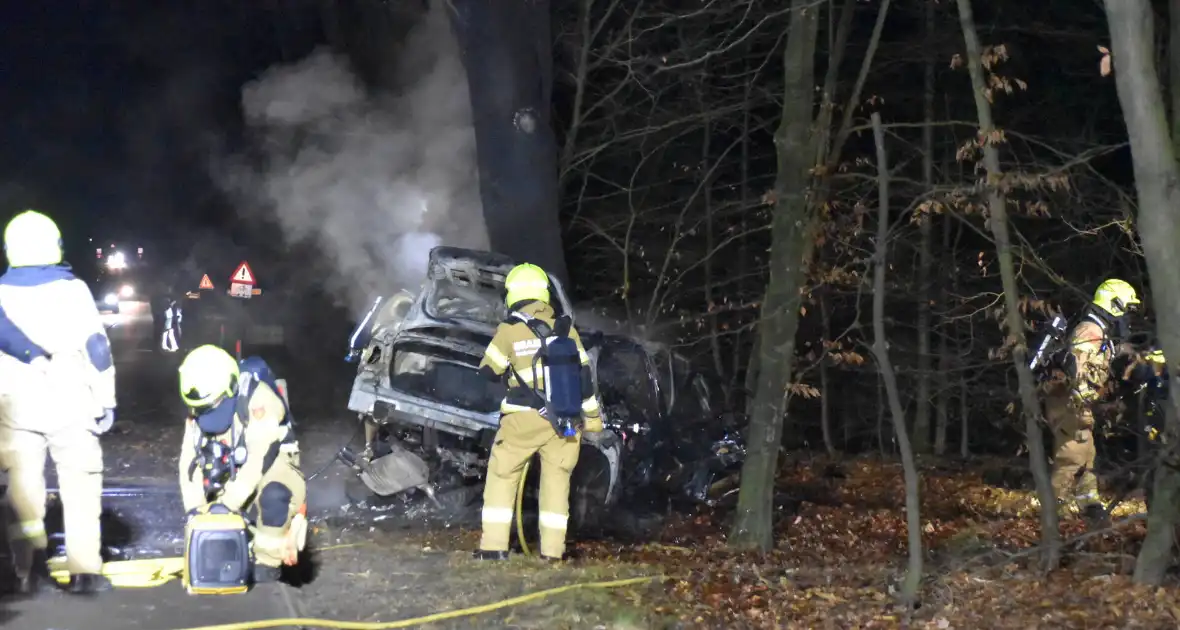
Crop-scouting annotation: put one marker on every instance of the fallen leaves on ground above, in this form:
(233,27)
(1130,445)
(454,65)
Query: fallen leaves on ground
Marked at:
(840,553)
(838,562)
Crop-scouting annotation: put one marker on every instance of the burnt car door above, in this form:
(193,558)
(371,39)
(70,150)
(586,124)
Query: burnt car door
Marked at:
(630,397)
(696,439)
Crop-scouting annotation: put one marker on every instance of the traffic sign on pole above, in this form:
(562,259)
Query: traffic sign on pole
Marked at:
(243,275)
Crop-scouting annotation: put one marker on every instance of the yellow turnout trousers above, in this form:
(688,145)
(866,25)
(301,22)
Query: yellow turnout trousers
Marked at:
(522,434)
(1073,451)
(77,457)
(279,537)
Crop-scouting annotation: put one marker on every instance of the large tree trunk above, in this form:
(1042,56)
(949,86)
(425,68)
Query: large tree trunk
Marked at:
(1157,183)
(913,576)
(998,223)
(1174,70)
(922,404)
(791,228)
(507,53)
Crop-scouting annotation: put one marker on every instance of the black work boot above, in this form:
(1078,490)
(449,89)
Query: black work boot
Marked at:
(485,554)
(88,584)
(264,574)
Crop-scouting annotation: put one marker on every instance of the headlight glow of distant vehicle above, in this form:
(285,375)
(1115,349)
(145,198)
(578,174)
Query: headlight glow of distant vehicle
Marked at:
(110,299)
(126,292)
(116,261)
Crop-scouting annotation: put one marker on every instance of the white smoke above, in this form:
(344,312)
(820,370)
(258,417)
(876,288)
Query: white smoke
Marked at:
(375,181)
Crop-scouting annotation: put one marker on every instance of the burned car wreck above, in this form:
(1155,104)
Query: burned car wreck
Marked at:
(430,417)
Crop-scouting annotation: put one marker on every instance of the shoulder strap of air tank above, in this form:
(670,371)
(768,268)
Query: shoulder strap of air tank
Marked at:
(538,327)
(247,383)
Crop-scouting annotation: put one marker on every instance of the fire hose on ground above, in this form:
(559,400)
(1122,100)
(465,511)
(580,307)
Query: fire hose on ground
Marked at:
(152,572)
(147,573)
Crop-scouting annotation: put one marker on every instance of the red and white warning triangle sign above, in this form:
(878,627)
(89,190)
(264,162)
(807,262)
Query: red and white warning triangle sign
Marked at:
(244,275)
(206,283)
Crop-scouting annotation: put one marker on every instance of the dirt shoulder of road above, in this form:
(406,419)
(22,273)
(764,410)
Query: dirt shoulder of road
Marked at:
(388,575)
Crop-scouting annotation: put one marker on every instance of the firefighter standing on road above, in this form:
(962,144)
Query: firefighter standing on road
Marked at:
(236,406)
(59,406)
(523,429)
(172,318)
(1069,408)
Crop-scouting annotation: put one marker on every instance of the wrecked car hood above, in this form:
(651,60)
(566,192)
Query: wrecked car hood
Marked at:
(464,289)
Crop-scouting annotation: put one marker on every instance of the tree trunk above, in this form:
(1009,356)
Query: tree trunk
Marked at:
(509,62)
(922,406)
(825,401)
(790,246)
(742,264)
(707,194)
(1157,183)
(913,575)
(998,223)
(1174,70)
(964,419)
(942,414)
(881,416)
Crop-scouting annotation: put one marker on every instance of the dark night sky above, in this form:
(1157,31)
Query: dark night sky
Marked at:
(111,110)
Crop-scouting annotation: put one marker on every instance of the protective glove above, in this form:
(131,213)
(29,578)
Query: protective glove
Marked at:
(103,423)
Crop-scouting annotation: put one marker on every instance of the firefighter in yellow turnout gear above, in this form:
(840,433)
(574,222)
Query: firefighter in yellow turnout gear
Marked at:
(524,430)
(1069,407)
(238,413)
(57,395)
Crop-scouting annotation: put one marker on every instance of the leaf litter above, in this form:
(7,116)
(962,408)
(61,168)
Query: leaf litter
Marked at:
(838,561)
(840,551)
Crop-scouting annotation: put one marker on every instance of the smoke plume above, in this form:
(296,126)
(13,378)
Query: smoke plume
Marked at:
(374,180)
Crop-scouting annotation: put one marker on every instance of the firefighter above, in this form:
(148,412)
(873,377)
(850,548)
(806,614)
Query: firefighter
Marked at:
(523,429)
(172,318)
(57,406)
(1144,392)
(237,406)
(1069,407)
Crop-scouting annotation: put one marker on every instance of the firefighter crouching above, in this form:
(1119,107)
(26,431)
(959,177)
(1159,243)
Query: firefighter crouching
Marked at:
(1069,405)
(533,418)
(57,405)
(240,451)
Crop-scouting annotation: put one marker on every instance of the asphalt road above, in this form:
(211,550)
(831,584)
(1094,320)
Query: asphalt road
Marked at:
(368,561)
(141,506)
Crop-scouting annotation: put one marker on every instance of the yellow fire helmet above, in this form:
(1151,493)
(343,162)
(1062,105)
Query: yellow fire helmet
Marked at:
(1115,296)
(31,240)
(207,375)
(526,282)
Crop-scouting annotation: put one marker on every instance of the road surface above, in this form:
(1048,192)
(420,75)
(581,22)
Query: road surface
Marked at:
(141,506)
(369,561)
